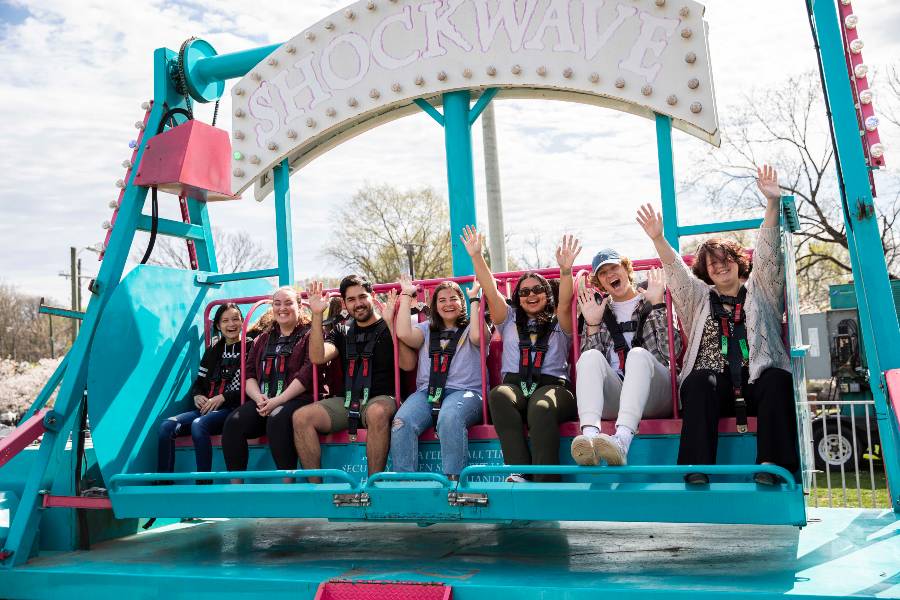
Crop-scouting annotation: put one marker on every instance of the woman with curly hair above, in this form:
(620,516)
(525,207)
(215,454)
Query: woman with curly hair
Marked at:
(536,332)
(448,378)
(736,363)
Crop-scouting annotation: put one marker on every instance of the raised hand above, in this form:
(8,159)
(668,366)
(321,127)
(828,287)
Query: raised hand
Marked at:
(473,291)
(390,305)
(591,310)
(567,251)
(318,301)
(651,221)
(656,287)
(407,286)
(472,240)
(767,182)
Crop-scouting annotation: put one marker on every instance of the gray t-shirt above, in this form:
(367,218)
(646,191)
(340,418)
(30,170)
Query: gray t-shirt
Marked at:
(465,368)
(556,362)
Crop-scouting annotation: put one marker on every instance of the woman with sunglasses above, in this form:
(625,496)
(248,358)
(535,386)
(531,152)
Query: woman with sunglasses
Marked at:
(536,333)
(736,363)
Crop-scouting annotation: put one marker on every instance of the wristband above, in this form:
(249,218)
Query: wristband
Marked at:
(592,324)
(660,305)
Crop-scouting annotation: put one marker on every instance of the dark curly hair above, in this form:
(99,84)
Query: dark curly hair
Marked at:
(351,280)
(436,322)
(720,249)
(547,314)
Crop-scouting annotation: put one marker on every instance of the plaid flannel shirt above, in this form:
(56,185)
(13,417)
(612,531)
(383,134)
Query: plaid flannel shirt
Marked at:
(655,330)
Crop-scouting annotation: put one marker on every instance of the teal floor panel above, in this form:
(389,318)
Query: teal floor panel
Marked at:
(841,553)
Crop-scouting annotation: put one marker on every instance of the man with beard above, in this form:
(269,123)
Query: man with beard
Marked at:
(364,345)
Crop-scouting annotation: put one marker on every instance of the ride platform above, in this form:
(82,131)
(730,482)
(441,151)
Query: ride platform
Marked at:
(842,553)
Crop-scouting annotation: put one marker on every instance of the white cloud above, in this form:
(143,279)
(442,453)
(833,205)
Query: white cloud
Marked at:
(75,74)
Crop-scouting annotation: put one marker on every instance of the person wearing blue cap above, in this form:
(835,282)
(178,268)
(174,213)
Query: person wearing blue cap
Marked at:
(623,372)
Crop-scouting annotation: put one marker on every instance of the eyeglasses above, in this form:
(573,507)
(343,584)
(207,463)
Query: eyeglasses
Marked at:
(536,290)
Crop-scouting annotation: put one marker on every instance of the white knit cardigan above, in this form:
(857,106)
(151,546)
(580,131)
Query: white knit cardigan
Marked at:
(764,306)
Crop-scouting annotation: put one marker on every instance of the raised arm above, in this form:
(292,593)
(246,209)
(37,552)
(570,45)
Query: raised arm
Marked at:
(406,356)
(320,352)
(474,242)
(406,333)
(566,253)
(767,182)
(651,221)
(476,329)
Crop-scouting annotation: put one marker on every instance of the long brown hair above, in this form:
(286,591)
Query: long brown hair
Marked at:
(720,249)
(549,311)
(436,322)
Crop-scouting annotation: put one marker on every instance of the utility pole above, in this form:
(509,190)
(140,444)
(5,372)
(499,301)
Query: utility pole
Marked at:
(410,257)
(73,268)
(496,234)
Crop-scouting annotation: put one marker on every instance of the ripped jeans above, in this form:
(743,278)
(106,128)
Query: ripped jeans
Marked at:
(200,427)
(460,409)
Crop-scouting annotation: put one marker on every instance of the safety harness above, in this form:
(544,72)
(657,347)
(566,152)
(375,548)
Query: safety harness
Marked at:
(223,373)
(274,361)
(359,348)
(531,354)
(440,355)
(733,336)
(617,331)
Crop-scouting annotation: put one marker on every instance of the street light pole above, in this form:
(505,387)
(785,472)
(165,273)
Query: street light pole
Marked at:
(73,268)
(410,256)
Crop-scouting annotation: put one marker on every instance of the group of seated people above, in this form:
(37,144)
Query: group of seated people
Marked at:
(733,363)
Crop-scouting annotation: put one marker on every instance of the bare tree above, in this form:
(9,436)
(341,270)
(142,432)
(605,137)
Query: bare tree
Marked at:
(786,126)
(374,227)
(24,332)
(235,252)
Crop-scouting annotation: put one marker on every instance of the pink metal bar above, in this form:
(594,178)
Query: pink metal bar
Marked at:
(186,217)
(383,590)
(576,334)
(484,375)
(22,436)
(76,502)
(265,300)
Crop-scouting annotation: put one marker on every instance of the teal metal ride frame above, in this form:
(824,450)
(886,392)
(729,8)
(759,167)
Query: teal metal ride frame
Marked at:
(206,73)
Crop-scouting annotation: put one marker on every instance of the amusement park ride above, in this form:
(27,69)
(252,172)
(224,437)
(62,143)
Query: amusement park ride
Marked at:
(631,531)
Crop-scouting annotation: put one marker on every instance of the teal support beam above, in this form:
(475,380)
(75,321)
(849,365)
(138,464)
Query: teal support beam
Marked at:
(47,390)
(482,103)
(430,111)
(877,314)
(460,175)
(282,183)
(205,247)
(61,312)
(172,228)
(707,228)
(211,279)
(666,160)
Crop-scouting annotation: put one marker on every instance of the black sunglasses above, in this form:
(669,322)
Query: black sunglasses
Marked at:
(536,290)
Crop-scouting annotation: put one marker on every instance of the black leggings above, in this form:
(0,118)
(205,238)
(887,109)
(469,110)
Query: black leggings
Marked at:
(707,395)
(245,423)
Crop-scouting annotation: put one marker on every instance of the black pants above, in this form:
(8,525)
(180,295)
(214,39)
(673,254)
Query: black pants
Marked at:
(245,423)
(549,405)
(707,395)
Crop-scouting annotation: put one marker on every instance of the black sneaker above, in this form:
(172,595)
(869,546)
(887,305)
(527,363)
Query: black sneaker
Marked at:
(696,479)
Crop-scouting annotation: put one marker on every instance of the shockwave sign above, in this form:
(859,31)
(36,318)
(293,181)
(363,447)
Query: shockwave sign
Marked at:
(366,64)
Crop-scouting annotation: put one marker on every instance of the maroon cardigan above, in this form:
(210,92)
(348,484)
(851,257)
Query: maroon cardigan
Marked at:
(299,366)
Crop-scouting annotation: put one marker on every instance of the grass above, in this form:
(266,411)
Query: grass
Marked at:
(850,498)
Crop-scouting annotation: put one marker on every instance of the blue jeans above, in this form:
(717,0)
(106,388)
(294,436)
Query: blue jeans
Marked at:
(460,409)
(200,428)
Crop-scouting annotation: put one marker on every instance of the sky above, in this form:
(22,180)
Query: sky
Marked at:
(76,72)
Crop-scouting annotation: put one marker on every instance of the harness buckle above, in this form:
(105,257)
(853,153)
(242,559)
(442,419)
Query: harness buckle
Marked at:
(740,411)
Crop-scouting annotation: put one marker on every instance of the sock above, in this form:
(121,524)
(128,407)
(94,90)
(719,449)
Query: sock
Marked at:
(624,434)
(590,431)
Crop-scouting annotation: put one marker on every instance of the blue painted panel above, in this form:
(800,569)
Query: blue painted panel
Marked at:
(145,356)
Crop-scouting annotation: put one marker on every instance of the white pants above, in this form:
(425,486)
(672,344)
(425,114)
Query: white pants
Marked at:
(645,392)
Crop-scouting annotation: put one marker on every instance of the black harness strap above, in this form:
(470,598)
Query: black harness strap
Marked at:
(223,373)
(733,335)
(274,360)
(440,357)
(359,348)
(617,331)
(530,367)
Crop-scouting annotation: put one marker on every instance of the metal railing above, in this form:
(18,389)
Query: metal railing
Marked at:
(847,468)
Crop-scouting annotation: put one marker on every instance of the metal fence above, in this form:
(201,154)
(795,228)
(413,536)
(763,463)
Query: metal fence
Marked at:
(846,469)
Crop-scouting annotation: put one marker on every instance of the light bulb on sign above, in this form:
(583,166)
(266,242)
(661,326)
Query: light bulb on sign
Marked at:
(877,150)
(861,70)
(872,123)
(856,46)
(851,21)
(865,97)
(106,225)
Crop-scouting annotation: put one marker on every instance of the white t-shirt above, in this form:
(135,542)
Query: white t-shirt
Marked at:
(622,312)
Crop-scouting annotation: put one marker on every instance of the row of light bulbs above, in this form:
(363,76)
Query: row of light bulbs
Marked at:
(861,71)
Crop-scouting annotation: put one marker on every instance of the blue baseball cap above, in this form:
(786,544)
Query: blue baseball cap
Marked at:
(607,256)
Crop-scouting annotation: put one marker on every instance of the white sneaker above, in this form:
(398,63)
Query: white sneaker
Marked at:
(585,451)
(515,478)
(611,449)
